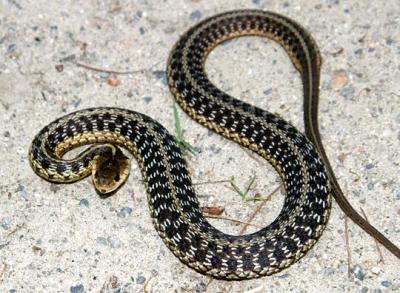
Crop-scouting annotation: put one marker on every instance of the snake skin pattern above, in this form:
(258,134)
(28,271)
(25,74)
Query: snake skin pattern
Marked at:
(174,206)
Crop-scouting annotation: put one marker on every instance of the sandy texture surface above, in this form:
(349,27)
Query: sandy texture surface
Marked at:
(64,238)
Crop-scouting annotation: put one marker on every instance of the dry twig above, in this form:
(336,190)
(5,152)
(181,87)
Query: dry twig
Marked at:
(18,227)
(3,271)
(258,209)
(116,72)
(214,211)
(378,248)
(211,182)
(346,235)
(145,290)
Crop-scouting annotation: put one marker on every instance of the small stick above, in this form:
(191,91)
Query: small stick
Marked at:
(5,105)
(211,182)
(16,229)
(258,209)
(107,70)
(145,290)
(3,271)
(355,174)
(346,235)
(16,4)
(337,52)
(378,248)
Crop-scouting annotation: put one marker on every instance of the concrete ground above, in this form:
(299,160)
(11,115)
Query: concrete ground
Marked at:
(64,238)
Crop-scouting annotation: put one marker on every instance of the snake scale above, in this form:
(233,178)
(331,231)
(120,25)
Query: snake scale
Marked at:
(299,159)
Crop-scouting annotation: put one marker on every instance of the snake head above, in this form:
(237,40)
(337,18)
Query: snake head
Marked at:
(110,169)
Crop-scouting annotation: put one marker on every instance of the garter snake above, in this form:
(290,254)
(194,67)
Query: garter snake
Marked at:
(299,159)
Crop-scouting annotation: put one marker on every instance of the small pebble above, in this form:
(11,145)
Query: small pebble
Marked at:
(358,273)
(268,92)
(161,75)
(140,280)
(22,192)
(364,290)
(6,223)
(200,287)
(11,48)
(386,284)
(114,242)
(358,51)
(114,283)
(369,166)
(124,212)
(339,79)
(68,58)
(113,81)
(77,289)
(397,194)
(347,92)
(110,241)
(195,15)
(215,149)
(84,203)
(102,240)
(390,41)
(370,185)
(147,99)
(4,245)
(20,188)
(77,102)
(54,187)
(59,67)
(375,270)
(284,276)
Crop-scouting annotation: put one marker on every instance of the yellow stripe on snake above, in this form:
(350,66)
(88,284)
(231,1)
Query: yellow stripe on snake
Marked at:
(299,159)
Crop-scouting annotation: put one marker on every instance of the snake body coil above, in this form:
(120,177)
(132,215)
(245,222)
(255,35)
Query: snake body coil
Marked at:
(173,204)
